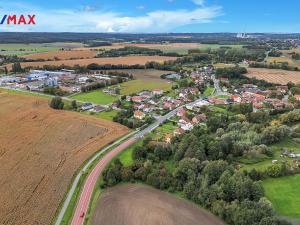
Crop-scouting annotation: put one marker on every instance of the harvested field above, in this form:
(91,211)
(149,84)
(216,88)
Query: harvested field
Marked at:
(138,204)
(62,55)
(274,76)
(147,74)
(40,150)
(127,60)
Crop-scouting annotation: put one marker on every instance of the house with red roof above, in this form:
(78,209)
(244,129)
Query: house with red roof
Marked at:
(139,115)
(199,118)
(178,131)
(181,112)
(297,97)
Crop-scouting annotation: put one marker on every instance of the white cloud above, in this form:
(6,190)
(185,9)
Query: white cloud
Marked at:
(98,21)
(140,7)
(199,2)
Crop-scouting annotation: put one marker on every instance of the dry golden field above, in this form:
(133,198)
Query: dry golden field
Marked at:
(126,60)
(274,76)
(62,55)
(40,150)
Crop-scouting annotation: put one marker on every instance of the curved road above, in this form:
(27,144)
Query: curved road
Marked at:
(86,194)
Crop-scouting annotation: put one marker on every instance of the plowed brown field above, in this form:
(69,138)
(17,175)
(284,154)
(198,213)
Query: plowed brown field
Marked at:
(40,150)
(61,55)
(274,76)
(126,60)
(132,204)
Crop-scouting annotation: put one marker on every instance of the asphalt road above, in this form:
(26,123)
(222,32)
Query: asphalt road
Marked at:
(217,87)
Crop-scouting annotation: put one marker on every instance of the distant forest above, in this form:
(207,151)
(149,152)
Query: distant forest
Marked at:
(205,38)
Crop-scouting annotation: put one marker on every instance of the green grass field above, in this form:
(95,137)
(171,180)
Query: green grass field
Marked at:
(126,156)
(160,132)
(217,46)
(106,115)
(209,91)
(135,86)
(265,162)
(96,96)
(24,49)
(222,96)
(284,193)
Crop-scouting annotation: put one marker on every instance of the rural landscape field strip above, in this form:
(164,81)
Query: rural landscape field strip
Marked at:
(41,146)
(137,204)
(62,55)
(126,60)
(274,76)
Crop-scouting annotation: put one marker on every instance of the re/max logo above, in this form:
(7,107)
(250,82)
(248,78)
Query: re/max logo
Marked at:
(18,20)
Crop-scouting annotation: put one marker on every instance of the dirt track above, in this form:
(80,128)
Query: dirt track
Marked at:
(40,149)
(132,204)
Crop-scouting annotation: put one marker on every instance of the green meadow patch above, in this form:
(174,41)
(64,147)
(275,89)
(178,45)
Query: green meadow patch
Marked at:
(96,96)
(284,193)
(135,86)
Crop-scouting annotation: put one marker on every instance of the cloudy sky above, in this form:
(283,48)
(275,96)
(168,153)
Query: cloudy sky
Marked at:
(156,16)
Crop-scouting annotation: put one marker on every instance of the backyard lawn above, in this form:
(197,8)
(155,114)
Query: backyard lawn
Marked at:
(96,96)
(135,86)
(107,115)
(284,193)
(209,91)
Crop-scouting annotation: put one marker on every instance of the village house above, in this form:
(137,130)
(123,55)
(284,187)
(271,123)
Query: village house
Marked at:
(217,101)
(137,99)
(185,123)
(224,79)
(139,115)
(145,94)
(297,97)
(86,106)
(82,80)
(283,89)
(147,108)
(98,108)
(236,98)
(181,112)
(276,103)
(258,105)
(128,98)
(199,118)
(178,131)
(169,105)
(157,92)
